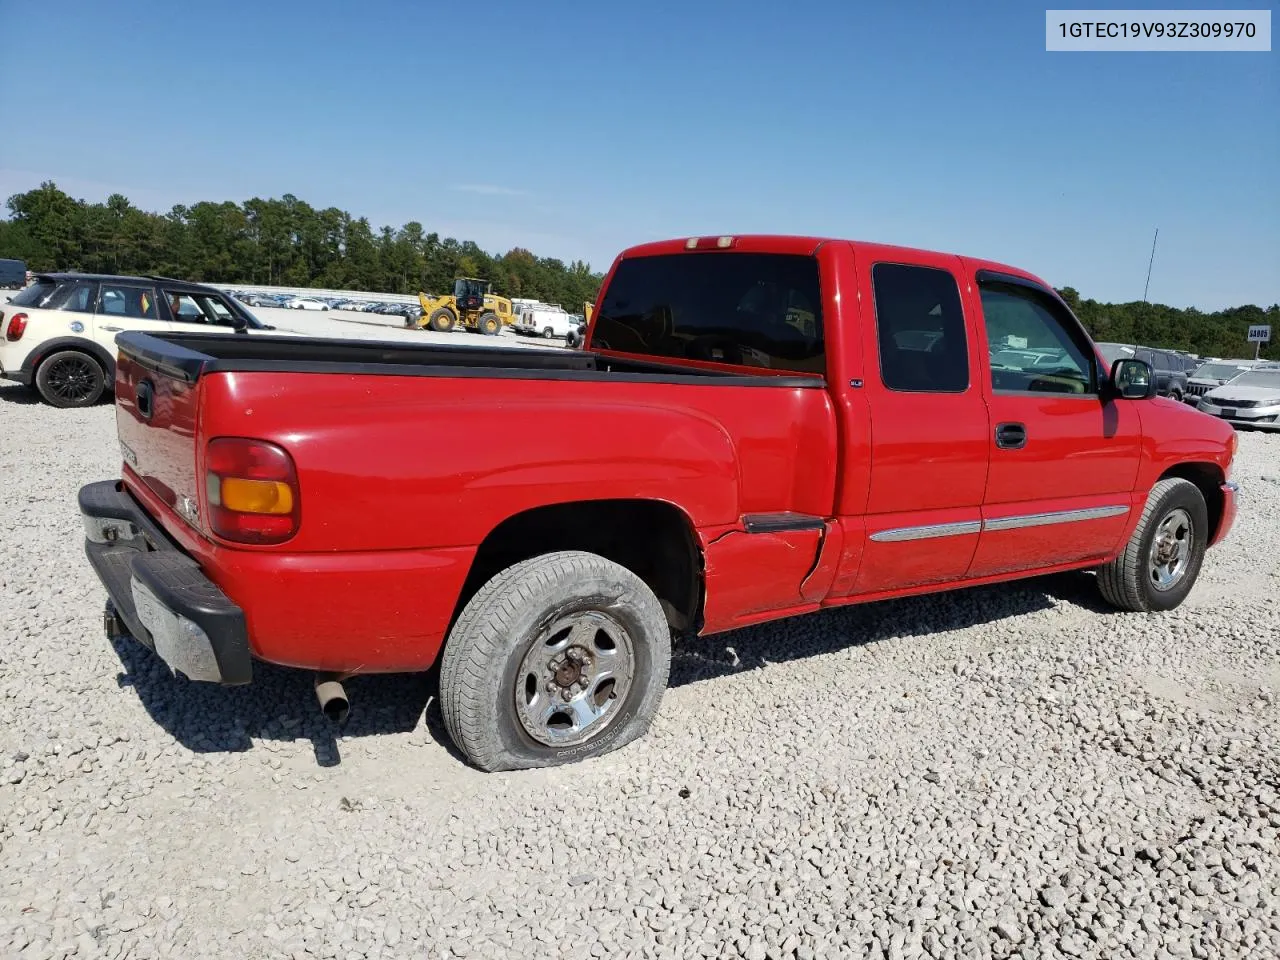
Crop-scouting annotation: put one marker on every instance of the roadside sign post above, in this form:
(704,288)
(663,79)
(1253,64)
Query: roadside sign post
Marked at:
(1258,335)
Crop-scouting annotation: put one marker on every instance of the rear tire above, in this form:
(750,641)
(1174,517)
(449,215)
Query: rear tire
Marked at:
(1162,559)
(548,333)
(489,324)
(555,659)
(70,378)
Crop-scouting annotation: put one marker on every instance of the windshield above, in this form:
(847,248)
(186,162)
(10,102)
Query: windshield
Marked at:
(745,309)
(1217,371)
(1258,378)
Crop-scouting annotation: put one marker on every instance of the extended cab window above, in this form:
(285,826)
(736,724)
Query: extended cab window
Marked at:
(1031,343)
(749,309)
(920,327)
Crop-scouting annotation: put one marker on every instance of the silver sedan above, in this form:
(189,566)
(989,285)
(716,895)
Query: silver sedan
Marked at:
(1249,400)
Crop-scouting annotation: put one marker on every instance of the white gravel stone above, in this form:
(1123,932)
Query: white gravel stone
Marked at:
(1008,771)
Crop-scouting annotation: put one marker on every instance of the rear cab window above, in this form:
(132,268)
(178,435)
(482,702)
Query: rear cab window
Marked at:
(759,310)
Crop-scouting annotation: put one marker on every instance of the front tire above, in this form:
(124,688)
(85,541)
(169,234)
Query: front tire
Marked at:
(1162,559)
(70,378)
(557,658)
(442,320)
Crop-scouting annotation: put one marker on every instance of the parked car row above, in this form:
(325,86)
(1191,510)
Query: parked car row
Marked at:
(410,311)
(1250,398)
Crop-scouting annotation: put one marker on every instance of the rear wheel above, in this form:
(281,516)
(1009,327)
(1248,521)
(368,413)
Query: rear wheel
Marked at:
(558,658)
(489,324)
(70,378)
(442,320)
(1162,559)
(548,333)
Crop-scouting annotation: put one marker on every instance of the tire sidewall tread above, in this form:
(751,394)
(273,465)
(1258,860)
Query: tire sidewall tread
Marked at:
(486,646)
(1124,583)
(41,383)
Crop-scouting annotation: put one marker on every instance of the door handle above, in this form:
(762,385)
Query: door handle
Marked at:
(1011,436)
(112,329)
(144,397)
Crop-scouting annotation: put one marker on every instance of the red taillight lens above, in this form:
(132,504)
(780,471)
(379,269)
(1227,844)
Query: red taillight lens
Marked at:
(251,487)
(17,327)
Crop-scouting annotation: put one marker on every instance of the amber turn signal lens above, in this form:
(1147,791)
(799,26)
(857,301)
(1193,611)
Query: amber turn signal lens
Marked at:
(256,496)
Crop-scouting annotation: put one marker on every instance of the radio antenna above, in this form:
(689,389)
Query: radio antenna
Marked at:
(1149,263)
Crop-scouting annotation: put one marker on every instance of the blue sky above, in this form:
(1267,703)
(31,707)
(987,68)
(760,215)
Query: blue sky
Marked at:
(576,129)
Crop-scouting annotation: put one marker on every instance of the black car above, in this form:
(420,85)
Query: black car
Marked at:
(1168,366)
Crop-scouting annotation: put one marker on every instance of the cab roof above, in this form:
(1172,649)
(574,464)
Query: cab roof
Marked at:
(809,246)
(168,282)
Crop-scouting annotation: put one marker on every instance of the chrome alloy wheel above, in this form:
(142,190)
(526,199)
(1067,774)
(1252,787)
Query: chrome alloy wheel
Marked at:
(1171,550)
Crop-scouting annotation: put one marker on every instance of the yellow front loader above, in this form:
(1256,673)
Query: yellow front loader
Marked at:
(472,304)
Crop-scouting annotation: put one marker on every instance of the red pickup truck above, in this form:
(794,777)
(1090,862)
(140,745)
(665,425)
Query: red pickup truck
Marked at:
(760,427)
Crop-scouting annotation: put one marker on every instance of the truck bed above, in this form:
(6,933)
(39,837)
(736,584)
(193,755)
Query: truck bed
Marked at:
(188,356)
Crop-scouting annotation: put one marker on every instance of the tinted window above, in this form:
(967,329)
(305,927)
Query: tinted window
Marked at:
(138,303)
(749,309)
(34,295)
(1052,359)
(920,326)
(74,295)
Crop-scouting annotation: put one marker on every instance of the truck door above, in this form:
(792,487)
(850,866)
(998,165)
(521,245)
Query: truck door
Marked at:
(928,426)
(1063,460)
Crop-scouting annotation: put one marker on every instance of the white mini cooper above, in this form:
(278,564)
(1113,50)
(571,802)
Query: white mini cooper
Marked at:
(58,334)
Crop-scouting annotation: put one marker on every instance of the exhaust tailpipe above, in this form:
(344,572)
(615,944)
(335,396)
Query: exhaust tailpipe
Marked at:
(332,697)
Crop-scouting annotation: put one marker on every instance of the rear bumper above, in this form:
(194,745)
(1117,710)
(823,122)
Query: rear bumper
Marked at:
(1230,489)
(159,594)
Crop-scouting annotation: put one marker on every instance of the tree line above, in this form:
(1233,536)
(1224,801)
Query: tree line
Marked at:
(274,242)
(288,242)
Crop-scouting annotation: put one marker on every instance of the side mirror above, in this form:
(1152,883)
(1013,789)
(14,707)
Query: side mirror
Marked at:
(1132,380)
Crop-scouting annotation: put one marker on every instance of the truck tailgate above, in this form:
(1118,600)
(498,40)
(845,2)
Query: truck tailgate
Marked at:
(156,418)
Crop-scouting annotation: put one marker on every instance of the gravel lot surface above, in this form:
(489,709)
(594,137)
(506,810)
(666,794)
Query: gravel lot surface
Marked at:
(1000,772)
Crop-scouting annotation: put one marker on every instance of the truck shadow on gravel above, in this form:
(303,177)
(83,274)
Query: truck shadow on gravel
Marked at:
(280,703)
(751,648)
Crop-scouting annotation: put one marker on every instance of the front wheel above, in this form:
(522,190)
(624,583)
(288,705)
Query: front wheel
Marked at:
(558,658)
(442,320)
(1162,559)
(70,378)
